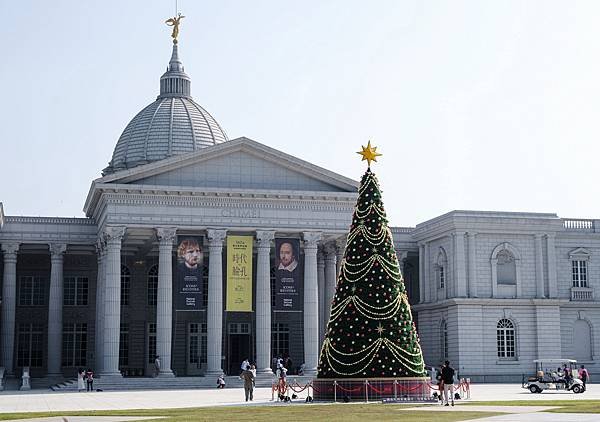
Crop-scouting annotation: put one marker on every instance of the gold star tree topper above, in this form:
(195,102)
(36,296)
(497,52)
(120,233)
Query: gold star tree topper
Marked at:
(369,153)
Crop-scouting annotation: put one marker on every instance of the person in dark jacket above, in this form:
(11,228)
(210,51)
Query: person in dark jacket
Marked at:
(448,379)
(248,378)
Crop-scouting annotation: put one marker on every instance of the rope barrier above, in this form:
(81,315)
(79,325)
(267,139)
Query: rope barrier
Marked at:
(354,390)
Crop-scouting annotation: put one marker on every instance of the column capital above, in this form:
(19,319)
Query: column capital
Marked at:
(472,234)
(113,233)
(550,236)
(166,235)
(330,250)
(320,255)
(311,239)
(216,236)
(57,250)
(539,235)
(264,238)
(402,255)
(11,248)
(340,243)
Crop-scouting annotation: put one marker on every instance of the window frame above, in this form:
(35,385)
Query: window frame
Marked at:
(506,340)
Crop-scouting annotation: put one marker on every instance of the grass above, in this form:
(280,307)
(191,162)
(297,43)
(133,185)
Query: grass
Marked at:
(564,406)
(333,412)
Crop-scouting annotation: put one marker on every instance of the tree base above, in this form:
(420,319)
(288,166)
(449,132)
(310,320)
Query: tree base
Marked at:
(410,389)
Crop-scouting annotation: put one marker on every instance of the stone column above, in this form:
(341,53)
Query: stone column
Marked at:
(112,301)
(551,260)
(101,256)
(263,302)
(215,301)
(9,302)
(472,272)
(55,307)
(321,286)
(421,273)
(539,267)
(311,303)
(164,299)
(459,262)
(330,278)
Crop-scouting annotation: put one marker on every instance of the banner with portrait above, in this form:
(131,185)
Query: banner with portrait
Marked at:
(189,274)
(239,273)
(288,287)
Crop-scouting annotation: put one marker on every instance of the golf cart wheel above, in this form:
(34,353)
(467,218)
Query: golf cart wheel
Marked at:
(577,389)
(535,389)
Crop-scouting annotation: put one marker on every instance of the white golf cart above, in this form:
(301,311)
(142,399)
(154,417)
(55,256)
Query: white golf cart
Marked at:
(550,375)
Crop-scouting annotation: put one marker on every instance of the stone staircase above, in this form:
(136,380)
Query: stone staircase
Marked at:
(169,383)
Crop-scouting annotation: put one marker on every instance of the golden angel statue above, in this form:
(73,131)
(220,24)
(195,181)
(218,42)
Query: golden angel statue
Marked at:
(174,22)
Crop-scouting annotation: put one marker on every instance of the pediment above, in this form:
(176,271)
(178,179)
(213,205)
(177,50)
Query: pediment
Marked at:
(238,164)
(579,254)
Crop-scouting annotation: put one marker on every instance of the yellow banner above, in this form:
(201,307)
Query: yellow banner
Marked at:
(239,273)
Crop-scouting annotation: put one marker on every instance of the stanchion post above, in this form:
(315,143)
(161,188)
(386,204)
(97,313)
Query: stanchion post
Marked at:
(395,389)
(335,391)
(367,391)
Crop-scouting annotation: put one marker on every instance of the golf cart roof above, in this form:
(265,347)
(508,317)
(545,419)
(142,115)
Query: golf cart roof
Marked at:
(555,361)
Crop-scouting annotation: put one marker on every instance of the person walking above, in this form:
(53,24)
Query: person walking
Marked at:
(248,378)
(80,380)
(584,375)
(156,366)
(448,379)
(90,380)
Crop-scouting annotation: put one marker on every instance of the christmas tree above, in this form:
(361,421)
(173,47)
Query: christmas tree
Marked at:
(370,332)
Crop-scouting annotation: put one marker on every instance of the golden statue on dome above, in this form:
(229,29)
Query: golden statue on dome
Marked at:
(174,22)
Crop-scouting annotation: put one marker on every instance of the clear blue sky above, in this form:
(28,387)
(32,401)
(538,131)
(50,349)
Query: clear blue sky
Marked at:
(485,105)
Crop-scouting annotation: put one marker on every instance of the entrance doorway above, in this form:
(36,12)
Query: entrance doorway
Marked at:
(239,346)
(197,348)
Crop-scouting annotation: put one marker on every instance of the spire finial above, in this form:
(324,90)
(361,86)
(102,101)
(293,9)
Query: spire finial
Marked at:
(174,22)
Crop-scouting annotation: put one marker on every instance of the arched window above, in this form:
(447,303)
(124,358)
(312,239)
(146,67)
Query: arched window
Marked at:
(125,285)
(444,340)
(152,285)
(441,268)
(506,268)
(505,337)
(506,271)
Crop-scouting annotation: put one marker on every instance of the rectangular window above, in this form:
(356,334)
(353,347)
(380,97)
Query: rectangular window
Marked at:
(506,343)
(152,290)
(124,345)
(75,291)
(280,339)
(30,345)
(579,273)
(125,286)
(442,277)
(151,342)
(74,352)
(31,291)
(194,349)
(203,344)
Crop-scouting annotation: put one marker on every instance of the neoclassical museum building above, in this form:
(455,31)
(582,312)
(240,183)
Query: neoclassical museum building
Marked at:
(181,255)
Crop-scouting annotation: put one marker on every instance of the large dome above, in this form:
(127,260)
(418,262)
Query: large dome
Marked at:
(174,124)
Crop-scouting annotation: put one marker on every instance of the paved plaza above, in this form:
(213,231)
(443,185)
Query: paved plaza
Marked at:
(46,401)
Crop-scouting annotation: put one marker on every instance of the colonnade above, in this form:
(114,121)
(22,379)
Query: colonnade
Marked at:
(321,265)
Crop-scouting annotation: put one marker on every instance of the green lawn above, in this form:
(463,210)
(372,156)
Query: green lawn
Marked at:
(294,412)
(566,406)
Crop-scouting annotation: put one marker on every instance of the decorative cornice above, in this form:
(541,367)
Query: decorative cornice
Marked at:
(50,220)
